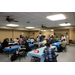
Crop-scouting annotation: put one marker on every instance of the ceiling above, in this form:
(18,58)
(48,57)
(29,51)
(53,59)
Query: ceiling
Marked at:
(36,19)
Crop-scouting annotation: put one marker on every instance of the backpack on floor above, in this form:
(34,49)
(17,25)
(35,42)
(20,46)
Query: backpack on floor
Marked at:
(14,57)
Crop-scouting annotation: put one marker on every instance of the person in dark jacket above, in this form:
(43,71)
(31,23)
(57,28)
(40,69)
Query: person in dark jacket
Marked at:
(4,44)
(27,46)
(11,41)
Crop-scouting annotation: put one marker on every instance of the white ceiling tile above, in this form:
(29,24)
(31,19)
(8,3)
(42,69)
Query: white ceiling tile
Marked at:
(46,13)
(66,12)
(55,13)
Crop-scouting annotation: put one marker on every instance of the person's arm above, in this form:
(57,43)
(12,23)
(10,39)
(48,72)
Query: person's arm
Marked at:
(44,51)
(53,52)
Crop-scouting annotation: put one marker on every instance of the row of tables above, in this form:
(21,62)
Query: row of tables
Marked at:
(30,54)
(30,45)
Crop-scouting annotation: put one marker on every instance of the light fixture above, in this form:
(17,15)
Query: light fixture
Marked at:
(52,30)
(56,17)
(12,25)
(43,30)
(30,27)
(65,24)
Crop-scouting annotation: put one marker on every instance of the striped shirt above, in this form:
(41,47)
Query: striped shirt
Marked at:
(49,53)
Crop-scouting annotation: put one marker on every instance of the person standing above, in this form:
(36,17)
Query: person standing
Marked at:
(40,38)
(20,40)
(63,37)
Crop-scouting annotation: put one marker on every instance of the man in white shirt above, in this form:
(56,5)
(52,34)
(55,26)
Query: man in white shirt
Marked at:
(32,40)
(63,37)
(37,39)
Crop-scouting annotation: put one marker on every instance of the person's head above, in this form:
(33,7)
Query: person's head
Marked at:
(52,35)
(56,36)
(61,35)
(47,45)
(49,35)
(63,39)
(25,40)
(4,40)
(10,39)
(20,36)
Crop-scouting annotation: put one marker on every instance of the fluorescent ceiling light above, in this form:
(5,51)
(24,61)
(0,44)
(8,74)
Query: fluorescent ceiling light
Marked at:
(29,27)
(65,24)
(12,25)
(56,17)
(43,30)
(52,30)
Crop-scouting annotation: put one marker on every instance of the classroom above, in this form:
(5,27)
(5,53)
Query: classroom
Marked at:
(37,36)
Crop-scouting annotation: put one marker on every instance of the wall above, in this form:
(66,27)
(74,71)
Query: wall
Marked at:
(72,34)
(46,33)
(11,34)
(34,35)
(5,34)
(15,33)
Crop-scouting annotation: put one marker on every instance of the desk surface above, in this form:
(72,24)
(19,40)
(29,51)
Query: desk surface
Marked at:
(56,44)
(12,48)
(30,45)
(38,43)
(15,47)
(13,43)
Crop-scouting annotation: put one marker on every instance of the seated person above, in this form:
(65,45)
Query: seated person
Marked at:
(56,39)
(49,41)
(49,53)
(4,44)
(65,41)
(29,39)
(37,39)
(43,42)
(11,41)
(17,39)
(23,38)
(27,46)
(62,44)
(52,37)
(32,40)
